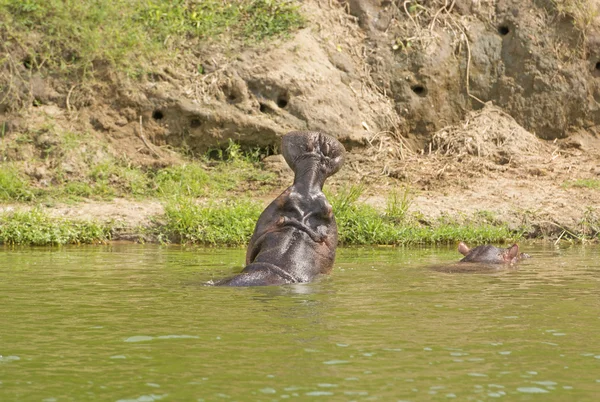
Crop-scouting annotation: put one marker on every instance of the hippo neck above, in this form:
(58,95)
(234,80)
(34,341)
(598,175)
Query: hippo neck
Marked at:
(309,175)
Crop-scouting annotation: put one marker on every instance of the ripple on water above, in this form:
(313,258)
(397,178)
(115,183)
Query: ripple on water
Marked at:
(139,338)
(532,390)
(144,398)
(319,393)
(146,338)
(331,362)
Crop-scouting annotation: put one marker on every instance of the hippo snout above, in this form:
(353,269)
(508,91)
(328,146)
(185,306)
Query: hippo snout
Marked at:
(302,145)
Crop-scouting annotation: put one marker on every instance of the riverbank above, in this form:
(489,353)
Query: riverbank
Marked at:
(164,125)
(540,190)
(377,211)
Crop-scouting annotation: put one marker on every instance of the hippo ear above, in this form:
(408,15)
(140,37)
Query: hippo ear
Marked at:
(463,249)
(511,252)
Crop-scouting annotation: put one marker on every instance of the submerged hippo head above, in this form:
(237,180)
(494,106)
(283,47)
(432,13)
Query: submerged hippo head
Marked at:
(490,254)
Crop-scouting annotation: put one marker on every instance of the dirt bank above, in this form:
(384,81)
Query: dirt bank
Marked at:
(488,107)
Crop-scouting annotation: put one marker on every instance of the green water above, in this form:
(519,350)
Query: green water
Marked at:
(134,323)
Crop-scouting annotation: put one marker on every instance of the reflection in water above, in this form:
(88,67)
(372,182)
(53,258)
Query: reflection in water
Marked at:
(474,268)
(134,322)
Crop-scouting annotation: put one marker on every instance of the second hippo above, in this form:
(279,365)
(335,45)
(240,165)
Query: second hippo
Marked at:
(296,237)
(488,254)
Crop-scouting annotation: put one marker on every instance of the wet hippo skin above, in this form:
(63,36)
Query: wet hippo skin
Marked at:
(296,236)
(491,255)
(484,259)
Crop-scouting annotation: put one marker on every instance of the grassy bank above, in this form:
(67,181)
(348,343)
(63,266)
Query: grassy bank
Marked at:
(37,228)
(228,171)
(209,200)
(231,222)
(75,36)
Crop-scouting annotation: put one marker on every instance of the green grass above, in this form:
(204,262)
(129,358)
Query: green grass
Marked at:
(190,180)
(218,223)
(232,223)
(362,224)
(79,35)
(583,183)
(13,187)
(233,171)
(35,227)
(245,19)
(365,225)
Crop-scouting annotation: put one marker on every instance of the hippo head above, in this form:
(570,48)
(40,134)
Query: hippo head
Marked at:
(310,150)
(490,254)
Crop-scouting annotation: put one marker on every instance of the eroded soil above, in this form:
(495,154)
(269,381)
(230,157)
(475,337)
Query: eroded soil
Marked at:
(461,102)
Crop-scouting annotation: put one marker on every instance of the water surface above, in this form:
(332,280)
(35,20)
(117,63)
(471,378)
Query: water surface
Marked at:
(135,323)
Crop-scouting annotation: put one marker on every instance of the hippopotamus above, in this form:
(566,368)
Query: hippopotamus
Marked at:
(491,255)
(296,236)
(483,259)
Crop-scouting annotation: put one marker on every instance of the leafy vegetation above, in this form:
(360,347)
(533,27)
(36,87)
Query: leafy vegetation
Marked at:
(13,187)
(583,183)
(248,19)
(35,227)
(226,223)
(76,35)
(232,171)
(232,223)
(362,224)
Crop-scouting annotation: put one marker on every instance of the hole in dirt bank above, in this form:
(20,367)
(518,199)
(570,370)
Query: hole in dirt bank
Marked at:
(596,70)
(157,115)
(234,151)
(195,123)
(282,101)
(264,108)
(503,30)
(28,63)
(419,90)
